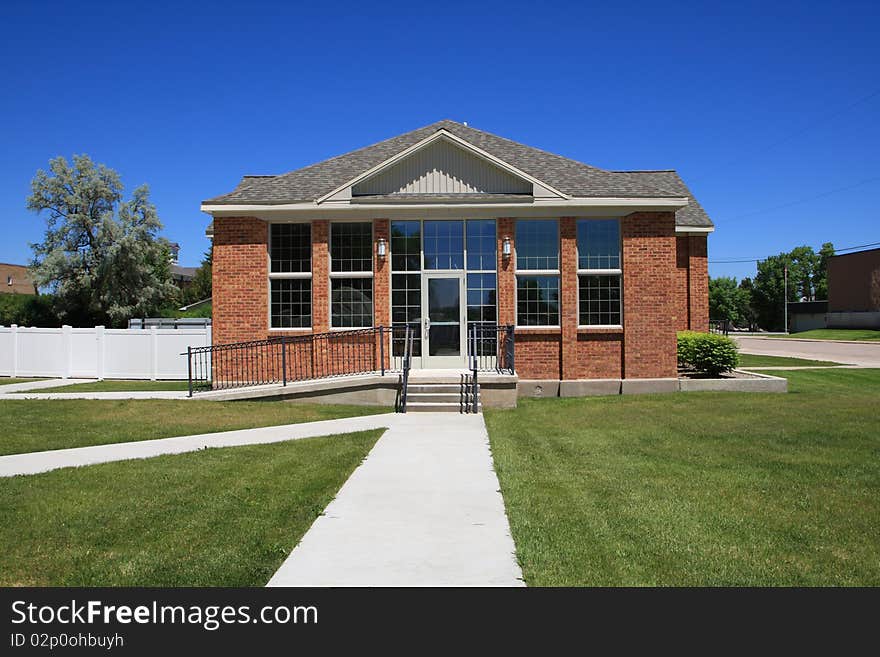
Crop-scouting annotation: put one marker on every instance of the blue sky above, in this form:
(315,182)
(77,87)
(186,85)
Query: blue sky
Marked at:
(757,105)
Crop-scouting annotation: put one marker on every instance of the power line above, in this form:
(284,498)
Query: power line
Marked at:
(804,200)
(744,260)
(809,126)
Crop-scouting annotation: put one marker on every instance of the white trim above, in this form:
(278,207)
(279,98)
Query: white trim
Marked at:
(351,274)
(290,274)
(611,327)
(311,208)
(599,272)
(441,134)
(700,230)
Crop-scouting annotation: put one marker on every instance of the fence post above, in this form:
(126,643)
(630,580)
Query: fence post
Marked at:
(189,370)
(284,358)
(382,348)
(100,352)
(14,328)
(154,352)
(67,339)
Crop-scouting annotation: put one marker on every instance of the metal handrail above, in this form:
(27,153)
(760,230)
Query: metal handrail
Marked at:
(407,365)
(286,358)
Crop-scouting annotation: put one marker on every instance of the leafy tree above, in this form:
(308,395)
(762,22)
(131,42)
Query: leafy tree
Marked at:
(807,281)
(200,287)
(727,301)
(750,315)
(100,256)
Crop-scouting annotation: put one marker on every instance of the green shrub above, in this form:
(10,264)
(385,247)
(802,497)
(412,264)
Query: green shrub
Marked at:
(27,310)
(707,352)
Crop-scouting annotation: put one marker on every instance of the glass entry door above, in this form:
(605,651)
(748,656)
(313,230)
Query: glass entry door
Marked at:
(443,327)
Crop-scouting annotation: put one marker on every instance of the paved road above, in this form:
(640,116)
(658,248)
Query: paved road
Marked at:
(424,509)
(865,354)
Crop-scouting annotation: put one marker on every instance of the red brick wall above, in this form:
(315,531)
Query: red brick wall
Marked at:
(538,353)
(649,277)
(506,277)
(382,279)
(698,283)
(568,296)
(240,279)
(320,275)
(599,354)
(681,291)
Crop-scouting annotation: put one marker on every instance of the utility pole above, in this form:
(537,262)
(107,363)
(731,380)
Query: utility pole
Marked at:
(785,286)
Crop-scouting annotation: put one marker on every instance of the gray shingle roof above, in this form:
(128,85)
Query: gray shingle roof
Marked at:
(668,180)
(568,176)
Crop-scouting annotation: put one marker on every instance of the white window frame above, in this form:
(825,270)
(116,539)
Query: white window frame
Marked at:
(353,274)
(295,274)
(599,272)
(517,272)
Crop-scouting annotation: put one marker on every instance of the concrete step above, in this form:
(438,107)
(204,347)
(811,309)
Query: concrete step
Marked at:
(438,387)
(438,397)
(435,407)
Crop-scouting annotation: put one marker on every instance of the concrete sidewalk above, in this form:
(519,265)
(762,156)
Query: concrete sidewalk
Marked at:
(35,462)
(39,385)
(424,509)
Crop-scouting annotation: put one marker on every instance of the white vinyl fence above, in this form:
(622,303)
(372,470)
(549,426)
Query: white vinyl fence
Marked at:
(98,353)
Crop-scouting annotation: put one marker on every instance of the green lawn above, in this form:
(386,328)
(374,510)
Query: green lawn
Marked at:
(5,381)
(697,488)
(834,334)
(751,360)
(31,425)
(123,386)
(218,517)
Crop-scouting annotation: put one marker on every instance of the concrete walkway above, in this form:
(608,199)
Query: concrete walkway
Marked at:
(863,354)
(424,509)
(39,385)
(35,462)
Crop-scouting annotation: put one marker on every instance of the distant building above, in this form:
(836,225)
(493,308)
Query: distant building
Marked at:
(16,279)
(182,276)
(854,290)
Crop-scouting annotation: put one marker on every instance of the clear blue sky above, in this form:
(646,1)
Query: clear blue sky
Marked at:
(756,104)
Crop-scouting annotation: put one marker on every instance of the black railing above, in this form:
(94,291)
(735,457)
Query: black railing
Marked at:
(286,359)
(409,332)
(491,348)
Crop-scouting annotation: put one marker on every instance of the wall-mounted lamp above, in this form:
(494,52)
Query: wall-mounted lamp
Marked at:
(381,246)
(505,247)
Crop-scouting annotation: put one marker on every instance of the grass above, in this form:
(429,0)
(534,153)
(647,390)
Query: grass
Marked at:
(834,334)
(753,360)
(6,381)
(697,488)
(30,425)
(123,386)
(218,517)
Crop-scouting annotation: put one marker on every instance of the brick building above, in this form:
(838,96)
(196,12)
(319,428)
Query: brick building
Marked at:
(16,279)
(448,226)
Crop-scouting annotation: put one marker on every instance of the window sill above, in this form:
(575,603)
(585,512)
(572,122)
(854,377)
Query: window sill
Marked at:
(537,330)
(614,329)
(298,329)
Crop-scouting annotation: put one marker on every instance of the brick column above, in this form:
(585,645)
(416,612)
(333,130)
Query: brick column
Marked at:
(649,277)
(568,296)
(506,277)
(698,283)
(320,275)
(382,281)
(240,279)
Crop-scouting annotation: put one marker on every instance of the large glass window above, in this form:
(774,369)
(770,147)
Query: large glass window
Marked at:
(482,304)
(352,304)
(598,242)
(444,244)
(351,246)
(481,244)
(351,274)
(599,272)
(290,248)
(537,293)
(291,302)
(406,245)
(599,300)
(537,300)
(290,275)
(537,244)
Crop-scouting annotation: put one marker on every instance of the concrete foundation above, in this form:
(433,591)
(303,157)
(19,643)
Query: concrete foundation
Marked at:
(538,388)
(589,387)
(759,383)
(648,386)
